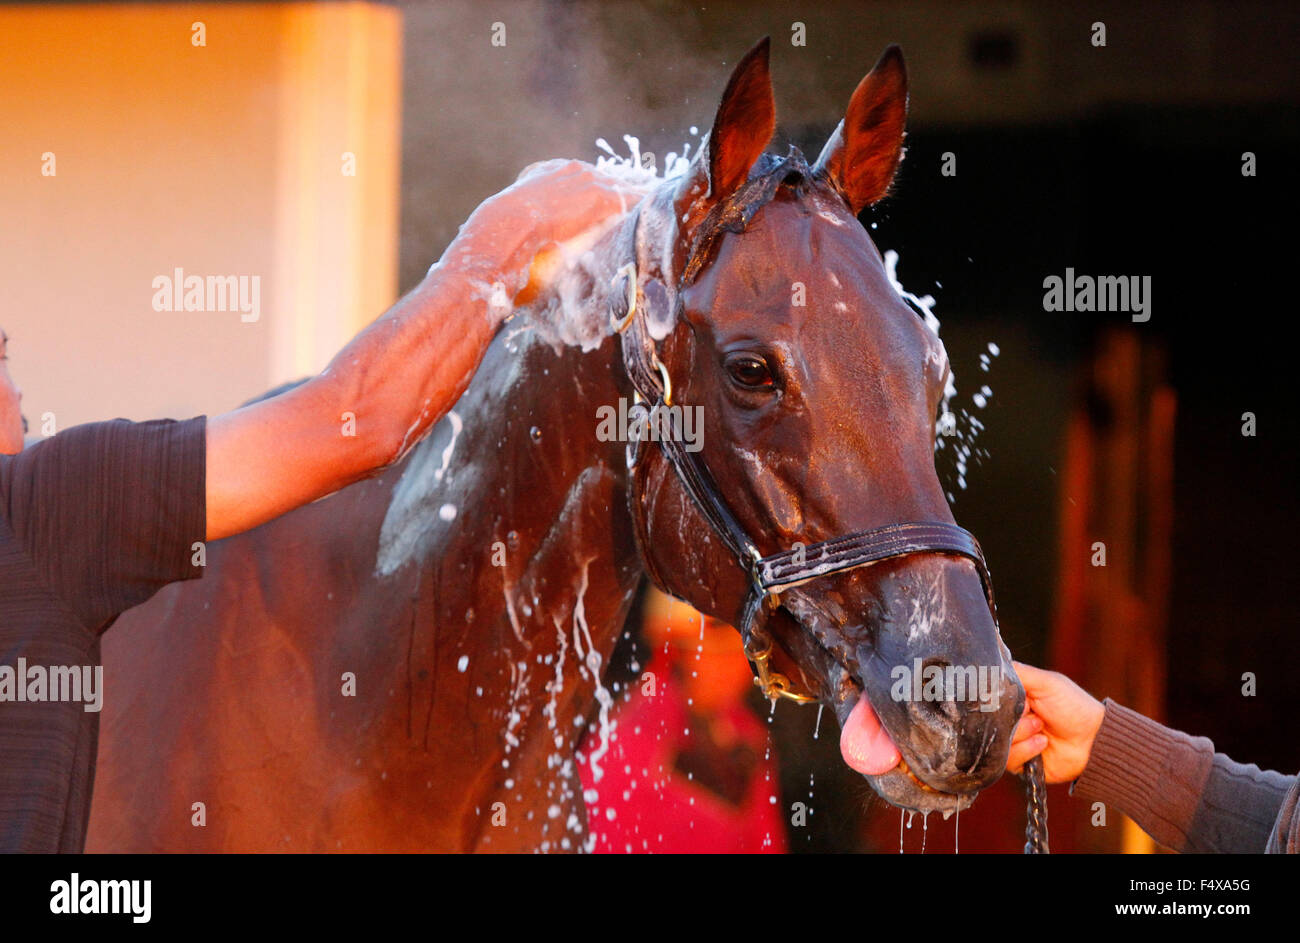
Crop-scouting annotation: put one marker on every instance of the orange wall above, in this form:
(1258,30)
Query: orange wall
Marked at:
(224,159)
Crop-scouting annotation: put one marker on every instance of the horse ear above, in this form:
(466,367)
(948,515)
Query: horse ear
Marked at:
(744,124)
(741,132)
(863,153)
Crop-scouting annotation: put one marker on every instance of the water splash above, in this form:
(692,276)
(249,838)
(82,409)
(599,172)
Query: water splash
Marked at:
(635,169)
(456,427)
(592,662)
(555,686)
(960,427)
(516,706)
(924,304)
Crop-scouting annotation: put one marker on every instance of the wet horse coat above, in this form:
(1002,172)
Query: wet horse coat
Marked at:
(233,688)
(409,664)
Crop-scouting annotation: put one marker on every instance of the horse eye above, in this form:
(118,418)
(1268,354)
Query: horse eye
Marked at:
(750,372)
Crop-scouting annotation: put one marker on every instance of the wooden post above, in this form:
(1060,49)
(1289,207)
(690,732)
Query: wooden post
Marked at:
(1114,543)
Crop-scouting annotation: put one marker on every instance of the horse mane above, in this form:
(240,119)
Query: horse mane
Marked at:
(768,177)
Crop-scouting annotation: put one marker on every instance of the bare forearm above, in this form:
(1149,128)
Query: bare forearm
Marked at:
(399,376)
(375,400)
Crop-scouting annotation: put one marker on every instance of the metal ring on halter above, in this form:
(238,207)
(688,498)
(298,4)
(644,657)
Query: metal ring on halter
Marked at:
(773,684)
(663,375)
(770,596)
(755,571)
(622,325)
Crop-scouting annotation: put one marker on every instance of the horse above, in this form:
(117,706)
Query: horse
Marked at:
(411,663)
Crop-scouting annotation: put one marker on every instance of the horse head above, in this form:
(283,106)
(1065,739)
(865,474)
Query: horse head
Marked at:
(765,306)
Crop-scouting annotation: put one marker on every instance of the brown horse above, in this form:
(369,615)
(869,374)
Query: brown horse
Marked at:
(409,664)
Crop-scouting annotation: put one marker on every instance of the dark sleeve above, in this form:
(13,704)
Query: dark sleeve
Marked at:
(1241,809)
(109,511)
(1178,789)
(1286,836)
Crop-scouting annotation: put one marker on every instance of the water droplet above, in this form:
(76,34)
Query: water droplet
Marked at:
(535,434)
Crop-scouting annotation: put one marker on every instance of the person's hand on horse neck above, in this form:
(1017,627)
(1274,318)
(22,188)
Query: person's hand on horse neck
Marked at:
(391,384)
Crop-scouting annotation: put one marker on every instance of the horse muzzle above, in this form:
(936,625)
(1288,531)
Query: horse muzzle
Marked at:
(919,679)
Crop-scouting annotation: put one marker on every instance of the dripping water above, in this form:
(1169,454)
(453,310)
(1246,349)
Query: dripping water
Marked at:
(811,778)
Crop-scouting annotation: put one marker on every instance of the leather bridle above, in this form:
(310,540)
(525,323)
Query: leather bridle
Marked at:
(768,575)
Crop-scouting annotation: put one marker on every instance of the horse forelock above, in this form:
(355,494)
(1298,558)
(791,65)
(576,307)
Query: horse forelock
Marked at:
(666,266)
(770,176)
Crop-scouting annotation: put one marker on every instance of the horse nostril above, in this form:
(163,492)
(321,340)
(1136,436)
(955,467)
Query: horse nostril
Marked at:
(933,708)
(933,714)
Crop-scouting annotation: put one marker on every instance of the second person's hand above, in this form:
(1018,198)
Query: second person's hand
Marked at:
(1061,721)
(514,236)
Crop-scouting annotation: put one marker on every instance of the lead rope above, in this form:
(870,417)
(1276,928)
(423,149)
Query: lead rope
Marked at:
(1036,814)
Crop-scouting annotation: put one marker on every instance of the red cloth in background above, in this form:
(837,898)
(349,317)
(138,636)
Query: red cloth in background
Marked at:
(644,803)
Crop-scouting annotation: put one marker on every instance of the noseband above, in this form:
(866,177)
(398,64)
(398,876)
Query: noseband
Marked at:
(774,573)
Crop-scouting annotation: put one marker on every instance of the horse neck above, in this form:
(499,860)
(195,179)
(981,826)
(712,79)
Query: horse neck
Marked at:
(516,505)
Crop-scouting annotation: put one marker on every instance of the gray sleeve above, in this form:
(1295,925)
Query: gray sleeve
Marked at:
(1239,808)
(1179,790)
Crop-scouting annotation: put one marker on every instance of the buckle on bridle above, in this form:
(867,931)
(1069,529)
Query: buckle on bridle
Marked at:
(754,564)
(620,325)
(664,378)
(773,684)
(758,644)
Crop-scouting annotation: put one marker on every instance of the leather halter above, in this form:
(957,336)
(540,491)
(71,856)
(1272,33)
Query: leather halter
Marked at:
(769,575)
